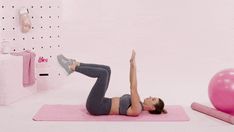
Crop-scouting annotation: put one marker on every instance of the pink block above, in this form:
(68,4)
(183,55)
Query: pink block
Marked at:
(79,113)
(11,80)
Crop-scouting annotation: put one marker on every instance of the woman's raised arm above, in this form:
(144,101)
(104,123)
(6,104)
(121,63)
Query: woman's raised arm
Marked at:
(135,108)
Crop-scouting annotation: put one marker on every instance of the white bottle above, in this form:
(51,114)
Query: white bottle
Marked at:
(5,47)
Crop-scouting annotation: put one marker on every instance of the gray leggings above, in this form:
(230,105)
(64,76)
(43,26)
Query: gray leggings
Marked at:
(97,103)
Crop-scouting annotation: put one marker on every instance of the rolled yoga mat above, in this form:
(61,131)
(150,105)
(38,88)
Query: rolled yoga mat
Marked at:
(79,113)
(213,112)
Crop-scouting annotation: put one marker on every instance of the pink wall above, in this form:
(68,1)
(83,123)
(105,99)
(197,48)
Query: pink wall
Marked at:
(180,44)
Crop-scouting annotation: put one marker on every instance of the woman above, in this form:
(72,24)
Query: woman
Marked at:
(98,104)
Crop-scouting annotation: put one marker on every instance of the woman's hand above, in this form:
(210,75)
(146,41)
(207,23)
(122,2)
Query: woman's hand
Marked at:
(133,78)
(132,60)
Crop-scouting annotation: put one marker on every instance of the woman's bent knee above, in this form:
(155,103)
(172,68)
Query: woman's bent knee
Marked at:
(104,73)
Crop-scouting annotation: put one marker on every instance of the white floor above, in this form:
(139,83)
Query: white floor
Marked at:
(18,117)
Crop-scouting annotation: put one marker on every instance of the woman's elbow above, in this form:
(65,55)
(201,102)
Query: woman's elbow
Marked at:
(134,113)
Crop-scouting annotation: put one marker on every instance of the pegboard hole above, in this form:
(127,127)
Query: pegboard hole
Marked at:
(2,6)
(49,6)
(50,36)
(33,38)
(13,39)
(42,37)
(32,27)
(13,28)
(32,6)
(13,17)
(23,48)
(49,26)
(23,38)
(12,6)
(32,17)
(41,27)
(3,29)
(41,6)
(58,45)
(41,16)
(3,17)
(33,48)
(50,46)
(49,16)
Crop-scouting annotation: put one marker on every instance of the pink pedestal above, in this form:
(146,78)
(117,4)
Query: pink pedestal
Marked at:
(43,76)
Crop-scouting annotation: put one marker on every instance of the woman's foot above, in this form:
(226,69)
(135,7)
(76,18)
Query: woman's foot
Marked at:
(65,58)
(66,63)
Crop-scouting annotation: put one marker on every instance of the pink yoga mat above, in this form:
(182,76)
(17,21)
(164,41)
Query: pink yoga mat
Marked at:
(213,112)
(79,113)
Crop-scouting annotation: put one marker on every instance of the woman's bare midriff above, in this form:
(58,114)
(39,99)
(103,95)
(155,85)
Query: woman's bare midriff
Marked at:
(115,106)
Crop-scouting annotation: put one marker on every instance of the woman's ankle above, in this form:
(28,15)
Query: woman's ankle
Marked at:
(74,65)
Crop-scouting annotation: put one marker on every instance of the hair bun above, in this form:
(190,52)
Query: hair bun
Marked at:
(164,111)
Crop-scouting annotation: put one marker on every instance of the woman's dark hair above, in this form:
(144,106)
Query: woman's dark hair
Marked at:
(159,108)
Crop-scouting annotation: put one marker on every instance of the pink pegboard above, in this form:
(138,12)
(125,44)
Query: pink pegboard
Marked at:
(45,35)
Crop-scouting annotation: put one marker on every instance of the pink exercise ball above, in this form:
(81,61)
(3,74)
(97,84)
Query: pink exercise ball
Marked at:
(221,91)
